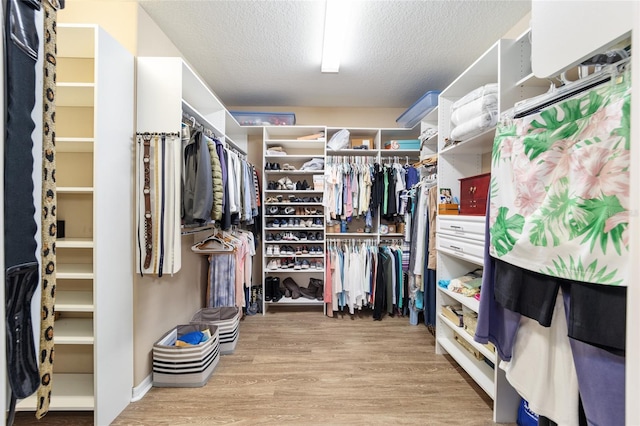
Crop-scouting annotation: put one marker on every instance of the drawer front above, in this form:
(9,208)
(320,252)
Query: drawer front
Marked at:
(474,207)
(470,250)
(462,227)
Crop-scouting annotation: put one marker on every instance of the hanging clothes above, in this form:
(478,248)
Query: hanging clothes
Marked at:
(348,186)
(197,194)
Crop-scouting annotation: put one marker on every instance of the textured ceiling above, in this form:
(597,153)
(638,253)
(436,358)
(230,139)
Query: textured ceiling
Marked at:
(267,53)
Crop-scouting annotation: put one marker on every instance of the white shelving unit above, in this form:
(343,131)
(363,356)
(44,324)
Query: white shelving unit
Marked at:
(460,239)
(93,331)
(296,153)
(379,155)
(167,87)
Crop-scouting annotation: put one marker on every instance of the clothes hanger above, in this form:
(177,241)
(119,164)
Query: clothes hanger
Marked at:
(212,245)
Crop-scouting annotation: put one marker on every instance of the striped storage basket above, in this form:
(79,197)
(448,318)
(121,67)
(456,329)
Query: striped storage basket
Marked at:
(228,321)
(190,366)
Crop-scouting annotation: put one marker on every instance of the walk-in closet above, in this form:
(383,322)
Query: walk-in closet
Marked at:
(208,218)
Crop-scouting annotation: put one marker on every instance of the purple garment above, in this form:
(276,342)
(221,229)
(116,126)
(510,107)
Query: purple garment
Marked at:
(412,177)
(495,323)
(601,379)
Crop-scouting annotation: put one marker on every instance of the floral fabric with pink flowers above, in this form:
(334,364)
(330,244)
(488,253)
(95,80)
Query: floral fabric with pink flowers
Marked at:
(560,187)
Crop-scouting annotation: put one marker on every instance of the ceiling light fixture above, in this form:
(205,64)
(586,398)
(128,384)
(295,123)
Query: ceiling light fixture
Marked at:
(336,19)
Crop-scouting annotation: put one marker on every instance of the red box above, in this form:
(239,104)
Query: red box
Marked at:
(473,195)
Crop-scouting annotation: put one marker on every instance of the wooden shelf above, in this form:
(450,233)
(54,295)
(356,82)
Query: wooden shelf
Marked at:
(296,144)
(298,301)
(295,172)
(480,144)
(353,152)
(74,243)
(73,392)
(353,234)
(293,271)
(73,331)
(297,228)
(75,94)
(74,301)
(414,153)
(75,271)
(294,156)
(479,371)
(292,191)
(276,256)
(469,302)
(491,356)
(74,144)
(75,189)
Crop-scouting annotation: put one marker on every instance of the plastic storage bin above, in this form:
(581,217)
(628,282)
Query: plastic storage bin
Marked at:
(246,118)
(419,109)
(185,366)
(403,144)
(227,319)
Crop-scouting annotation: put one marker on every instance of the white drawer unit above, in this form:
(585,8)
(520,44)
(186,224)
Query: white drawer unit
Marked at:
(471,227)
(469,250)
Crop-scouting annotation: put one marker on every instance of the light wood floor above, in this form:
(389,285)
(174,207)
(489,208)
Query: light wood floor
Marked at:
(297,367)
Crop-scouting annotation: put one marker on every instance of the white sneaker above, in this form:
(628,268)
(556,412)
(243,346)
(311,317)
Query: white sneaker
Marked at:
(272,265)
(270,250)
(276,250)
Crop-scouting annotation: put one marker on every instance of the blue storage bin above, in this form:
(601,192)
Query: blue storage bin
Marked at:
(419,109)
(402,144)
(248,118)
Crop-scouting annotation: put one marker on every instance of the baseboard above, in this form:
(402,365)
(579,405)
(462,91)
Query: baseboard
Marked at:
(141,390)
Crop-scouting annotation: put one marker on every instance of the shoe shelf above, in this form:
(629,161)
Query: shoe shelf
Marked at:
(295,172)
(296,228)
(298,301)
(287,203)
(293,191)
(321,255)
(353,234)
(298,204)
(293,157)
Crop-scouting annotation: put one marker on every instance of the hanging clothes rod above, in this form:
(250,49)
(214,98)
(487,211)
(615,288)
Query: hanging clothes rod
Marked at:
(172,134)
(191,114)
(556,95)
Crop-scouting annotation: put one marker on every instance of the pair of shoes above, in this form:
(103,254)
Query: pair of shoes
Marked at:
(285,183)
(318,285)
(272,166)
(274,264)
(302,185)
(287,166)
(308,293)
(287,250)
(272,289)
(292,287)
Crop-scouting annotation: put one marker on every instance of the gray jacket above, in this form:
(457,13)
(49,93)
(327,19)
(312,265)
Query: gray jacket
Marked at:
(197,197)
